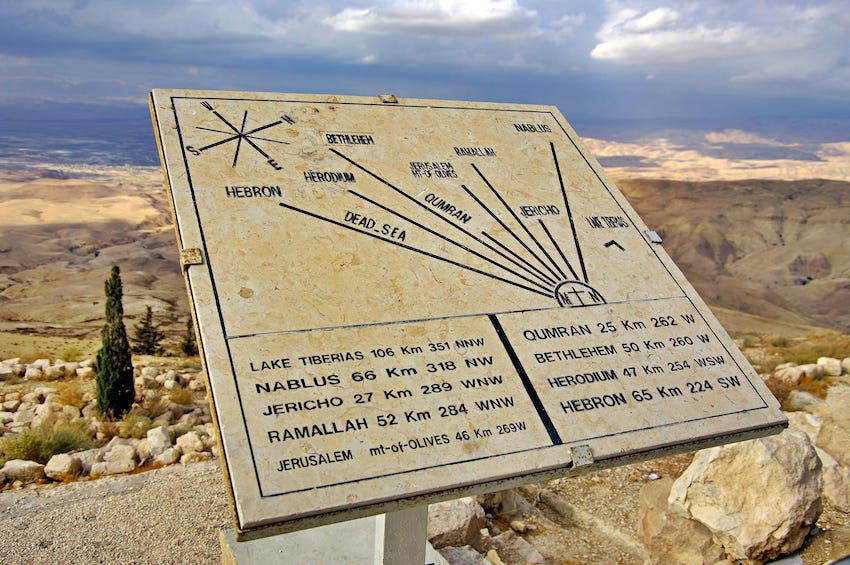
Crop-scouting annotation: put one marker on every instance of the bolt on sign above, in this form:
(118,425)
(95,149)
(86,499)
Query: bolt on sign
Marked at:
(401,301)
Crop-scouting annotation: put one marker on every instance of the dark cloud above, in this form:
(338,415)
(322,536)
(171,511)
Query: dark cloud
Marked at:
(618,59)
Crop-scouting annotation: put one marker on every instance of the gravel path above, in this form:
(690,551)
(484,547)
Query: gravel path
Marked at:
(170,515)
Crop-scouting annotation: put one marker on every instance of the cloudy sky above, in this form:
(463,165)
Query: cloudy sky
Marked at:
(593,59)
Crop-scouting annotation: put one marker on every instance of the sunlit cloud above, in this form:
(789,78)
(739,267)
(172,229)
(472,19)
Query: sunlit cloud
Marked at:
(436,18)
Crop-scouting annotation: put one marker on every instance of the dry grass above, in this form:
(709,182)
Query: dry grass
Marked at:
(181,396)
(134,425)
(767,352)
(72,392)
(41,444)
(30,347)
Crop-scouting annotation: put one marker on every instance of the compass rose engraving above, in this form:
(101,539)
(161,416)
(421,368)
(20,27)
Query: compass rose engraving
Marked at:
(232,134)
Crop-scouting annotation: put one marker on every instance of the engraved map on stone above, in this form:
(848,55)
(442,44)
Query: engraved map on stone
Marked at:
(402,298)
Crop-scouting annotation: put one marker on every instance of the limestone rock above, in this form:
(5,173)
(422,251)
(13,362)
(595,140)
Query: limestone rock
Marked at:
(455,522)
(24,471)
(33,373)
(836,481)
(506,504)
(465,555)
(146,382)
(512,548)
(195,457)
(790,375)
(806,423)
(171,385)
(158,440)
(63,467)
(837,400)
(759,498)
(169,456)
(845,365)
(801,401)
(197,384)
(119,456)
(670,537)
(85,372)
(54,372)
(40,363)
(829,366)
(834,437)
(190,442)
(88,458)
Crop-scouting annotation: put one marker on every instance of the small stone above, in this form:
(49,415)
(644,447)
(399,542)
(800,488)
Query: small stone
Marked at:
(195,457)
(158,440)
(829,366)
(836,481)
(519,526)
(63,467)
(168,457)
(455,522)
(190,442)
(54,373)
(24,471)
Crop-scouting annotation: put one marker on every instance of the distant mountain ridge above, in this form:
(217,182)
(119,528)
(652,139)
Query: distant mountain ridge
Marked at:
(776,251)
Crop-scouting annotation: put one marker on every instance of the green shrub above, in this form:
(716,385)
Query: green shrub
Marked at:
(134,425)
(114,365)
(779,341)
(42,444)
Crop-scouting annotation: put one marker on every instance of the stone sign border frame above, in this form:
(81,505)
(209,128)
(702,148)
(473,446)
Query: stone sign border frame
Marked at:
(581,461)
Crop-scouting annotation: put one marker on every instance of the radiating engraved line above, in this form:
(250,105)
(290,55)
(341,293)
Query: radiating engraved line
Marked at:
(239,141)
(423,206)
(528,265)
(414,249)
(569,212)
(246,135)
(558,248)
(448,239)
(240,134)
(522,225)
(541,275)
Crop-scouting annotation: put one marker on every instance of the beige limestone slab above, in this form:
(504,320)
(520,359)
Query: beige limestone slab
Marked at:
(398,303)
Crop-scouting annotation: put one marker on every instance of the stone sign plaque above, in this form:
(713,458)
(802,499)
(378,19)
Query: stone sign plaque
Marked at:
(405,300)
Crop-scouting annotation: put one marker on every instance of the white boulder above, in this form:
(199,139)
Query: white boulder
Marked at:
(759,498)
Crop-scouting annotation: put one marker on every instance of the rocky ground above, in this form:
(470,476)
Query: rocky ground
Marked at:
(159,495)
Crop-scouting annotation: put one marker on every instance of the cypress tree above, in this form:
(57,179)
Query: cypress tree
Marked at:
(114,363)
(189,346)
(148,336)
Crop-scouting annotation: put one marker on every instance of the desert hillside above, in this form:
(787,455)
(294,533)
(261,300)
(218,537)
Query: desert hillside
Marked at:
(774,249)
(63,230)
(773,257)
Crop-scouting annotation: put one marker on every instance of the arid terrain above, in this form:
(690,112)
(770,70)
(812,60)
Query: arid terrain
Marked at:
(769,256)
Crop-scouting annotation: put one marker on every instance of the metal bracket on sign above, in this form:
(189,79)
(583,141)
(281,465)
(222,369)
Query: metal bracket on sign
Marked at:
(388,98)
(653,236)
(191,256)
(582,456)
